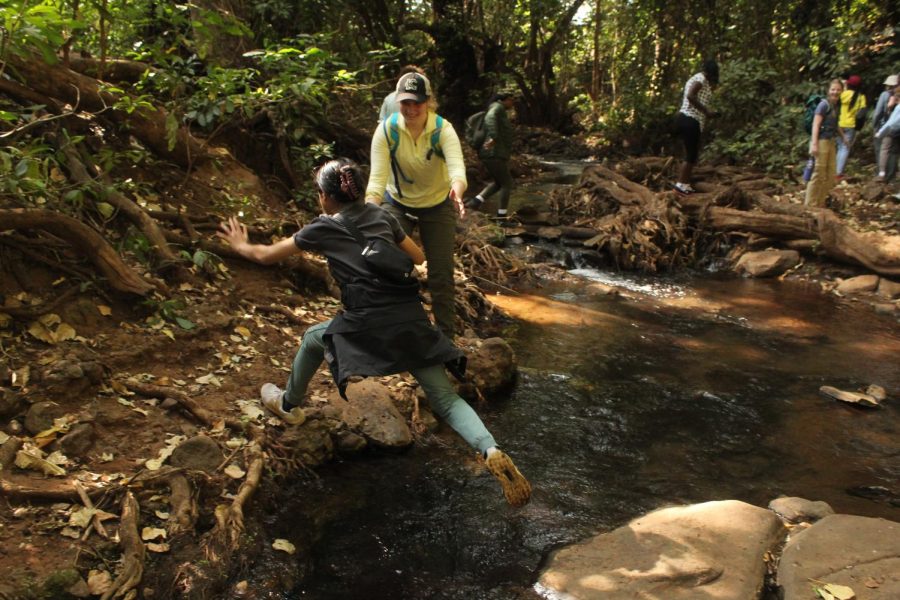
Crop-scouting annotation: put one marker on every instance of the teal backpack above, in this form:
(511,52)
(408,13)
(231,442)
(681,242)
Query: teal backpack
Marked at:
(391,130)
(812,103)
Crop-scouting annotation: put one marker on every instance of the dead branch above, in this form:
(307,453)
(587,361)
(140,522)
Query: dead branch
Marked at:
(114,69)
(184,507)
(48,491)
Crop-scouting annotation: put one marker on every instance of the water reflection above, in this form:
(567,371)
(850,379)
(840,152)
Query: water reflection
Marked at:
(622,405)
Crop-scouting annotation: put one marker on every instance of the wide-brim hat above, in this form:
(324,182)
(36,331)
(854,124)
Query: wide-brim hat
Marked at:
(413,86)
(892,80)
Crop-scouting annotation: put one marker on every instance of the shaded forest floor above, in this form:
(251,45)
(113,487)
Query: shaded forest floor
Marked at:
(102,389)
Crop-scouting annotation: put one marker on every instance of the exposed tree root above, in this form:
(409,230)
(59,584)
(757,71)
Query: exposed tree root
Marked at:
(184,506)
(133,551)
(49,491)
(225,536)
(84,239)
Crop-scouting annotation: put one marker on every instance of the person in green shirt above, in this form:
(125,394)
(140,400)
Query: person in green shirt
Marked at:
(495,153)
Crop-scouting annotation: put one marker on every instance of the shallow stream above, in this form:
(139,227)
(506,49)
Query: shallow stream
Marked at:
(679,391)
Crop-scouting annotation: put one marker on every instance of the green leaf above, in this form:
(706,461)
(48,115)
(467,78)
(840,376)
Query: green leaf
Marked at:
(106,209)
(184,323)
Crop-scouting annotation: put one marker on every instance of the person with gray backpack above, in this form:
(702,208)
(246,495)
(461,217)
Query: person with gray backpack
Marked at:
(490,132)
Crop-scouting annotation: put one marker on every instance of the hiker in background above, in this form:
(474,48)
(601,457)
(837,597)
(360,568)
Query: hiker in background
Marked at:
(879,118)
(390,105)
(822,147)
(383,328)
(853,103)
(889,136)
(418,175)
(495,152)
(692,118)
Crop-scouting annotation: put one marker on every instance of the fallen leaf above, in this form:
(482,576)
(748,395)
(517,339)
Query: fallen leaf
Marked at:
(209,379)
(32,459)
(168,333)
(125,402)
(70,532)
(872,583)
(161,515)
(284,546)
(82,517)
(833,591)
(152,533)
(141,410)
(106,457)
(242,331)
(234,471)
(850,397)
(184,323)
(20,377)
(104,310)
(3,437)
(157,547)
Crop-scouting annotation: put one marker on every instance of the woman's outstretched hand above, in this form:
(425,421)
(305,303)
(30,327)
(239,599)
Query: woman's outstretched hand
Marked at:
(457,189)
(234,232)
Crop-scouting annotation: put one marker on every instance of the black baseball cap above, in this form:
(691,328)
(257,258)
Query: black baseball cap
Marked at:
(413,86)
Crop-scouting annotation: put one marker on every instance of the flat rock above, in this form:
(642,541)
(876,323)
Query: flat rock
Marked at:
(370,412)
(855,285)
(860,552)
(797,510)
(702,551)
(79,440)
(199,453)
(767,263)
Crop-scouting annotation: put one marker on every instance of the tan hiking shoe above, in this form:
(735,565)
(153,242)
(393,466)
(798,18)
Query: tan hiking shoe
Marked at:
(515,487)
(270,396)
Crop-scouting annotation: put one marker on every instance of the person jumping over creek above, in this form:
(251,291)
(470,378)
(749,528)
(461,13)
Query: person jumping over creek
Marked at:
(383,328)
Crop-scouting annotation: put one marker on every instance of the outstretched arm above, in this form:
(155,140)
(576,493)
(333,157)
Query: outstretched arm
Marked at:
(413,250)
(235,233)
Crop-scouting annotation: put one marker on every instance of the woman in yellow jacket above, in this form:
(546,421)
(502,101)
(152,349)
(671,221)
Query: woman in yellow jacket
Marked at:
(852,101)
(418,175)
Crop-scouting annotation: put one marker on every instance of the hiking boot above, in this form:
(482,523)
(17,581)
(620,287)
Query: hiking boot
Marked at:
(271,397)
(516,488)
(474,203)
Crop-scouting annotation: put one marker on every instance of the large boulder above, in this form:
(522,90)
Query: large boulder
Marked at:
(370,412)
(709,550)
(859,552)
(767,263)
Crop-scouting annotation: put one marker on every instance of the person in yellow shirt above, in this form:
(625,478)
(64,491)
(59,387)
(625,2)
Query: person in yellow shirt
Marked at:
(418,175)
(852,102)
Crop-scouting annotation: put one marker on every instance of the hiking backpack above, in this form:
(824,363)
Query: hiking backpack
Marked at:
(392,135)
(476,134)
(812,103)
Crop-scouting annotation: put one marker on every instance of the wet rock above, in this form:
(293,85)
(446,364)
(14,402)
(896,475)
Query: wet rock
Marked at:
(200,453)
(888,289)
(492,367)
(348,442)
(40,416)
(767,263)
(79,441)
(310,443)
(796,510)
(709,550)
(847,550)
(855,285)
(371,413)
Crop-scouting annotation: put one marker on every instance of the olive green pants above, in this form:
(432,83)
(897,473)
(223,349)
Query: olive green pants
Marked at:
(437,228)
(498,169)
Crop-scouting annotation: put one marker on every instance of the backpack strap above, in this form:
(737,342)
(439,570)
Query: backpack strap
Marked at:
(351,227)
(436,136)
(391,130)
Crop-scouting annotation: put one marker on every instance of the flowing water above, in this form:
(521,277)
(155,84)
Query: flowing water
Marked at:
(679,391)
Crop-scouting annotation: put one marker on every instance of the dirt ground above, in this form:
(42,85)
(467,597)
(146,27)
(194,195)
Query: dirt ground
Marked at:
(103,387)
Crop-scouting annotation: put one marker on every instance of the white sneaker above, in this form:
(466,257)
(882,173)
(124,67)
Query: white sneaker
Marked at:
(270,395)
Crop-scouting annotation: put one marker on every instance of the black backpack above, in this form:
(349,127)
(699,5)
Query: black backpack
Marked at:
(475,131)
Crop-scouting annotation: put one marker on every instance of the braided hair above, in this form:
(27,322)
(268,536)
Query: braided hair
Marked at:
(341,179)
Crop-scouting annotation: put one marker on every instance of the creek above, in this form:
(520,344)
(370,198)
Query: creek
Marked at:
(680,390)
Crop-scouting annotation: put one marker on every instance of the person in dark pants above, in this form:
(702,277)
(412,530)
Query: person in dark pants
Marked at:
(692,119)
(418,174)
(382,329)
(495,153)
